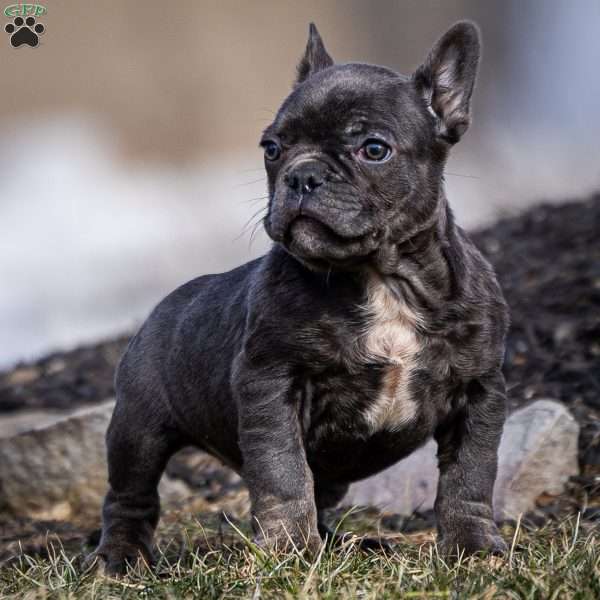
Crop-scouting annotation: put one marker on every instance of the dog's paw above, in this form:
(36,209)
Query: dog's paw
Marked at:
(375,544)
(487,540)
(453,548)
(113,561)
(366,543)
(284,543)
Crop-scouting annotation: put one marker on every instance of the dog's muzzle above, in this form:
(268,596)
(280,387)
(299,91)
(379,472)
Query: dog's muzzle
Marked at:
(301,181)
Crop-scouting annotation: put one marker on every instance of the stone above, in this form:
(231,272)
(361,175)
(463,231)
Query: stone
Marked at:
(59,472)
(22,421)
(537,455)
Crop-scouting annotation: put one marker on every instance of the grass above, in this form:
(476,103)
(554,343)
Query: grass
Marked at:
(560,560)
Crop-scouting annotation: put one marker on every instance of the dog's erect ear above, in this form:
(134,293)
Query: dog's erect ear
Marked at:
(447,77)
(315,56)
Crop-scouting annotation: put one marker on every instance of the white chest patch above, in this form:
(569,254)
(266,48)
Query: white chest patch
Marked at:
(391,335)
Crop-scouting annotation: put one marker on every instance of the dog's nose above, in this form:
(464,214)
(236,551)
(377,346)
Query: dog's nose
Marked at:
(306,177)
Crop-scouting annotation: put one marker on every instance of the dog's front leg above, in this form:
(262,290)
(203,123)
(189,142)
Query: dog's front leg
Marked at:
(274,460)
(468,458)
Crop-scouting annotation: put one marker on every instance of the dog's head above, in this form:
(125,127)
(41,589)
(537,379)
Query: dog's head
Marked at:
(355,155)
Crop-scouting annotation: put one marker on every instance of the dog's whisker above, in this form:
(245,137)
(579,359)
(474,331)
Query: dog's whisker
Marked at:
(254,216)
(462,175)
(250,182)
(252,170)
(250,222)
(267,110)
(254,231)
(254,200)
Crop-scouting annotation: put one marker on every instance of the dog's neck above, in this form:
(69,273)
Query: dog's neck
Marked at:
(421,269)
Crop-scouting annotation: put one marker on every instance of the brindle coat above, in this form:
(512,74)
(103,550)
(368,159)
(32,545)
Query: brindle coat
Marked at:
(372,324)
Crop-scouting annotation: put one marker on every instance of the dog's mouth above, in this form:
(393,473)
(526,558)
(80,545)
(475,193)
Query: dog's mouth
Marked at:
(313,241)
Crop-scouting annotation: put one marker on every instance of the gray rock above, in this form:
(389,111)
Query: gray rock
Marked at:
(538,453)
(59,472)
(22,421)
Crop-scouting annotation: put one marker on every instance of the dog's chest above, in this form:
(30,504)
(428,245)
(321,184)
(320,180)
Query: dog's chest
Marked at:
(390,335)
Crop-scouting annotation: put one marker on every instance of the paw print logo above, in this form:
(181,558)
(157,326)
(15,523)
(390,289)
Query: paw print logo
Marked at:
(24,31)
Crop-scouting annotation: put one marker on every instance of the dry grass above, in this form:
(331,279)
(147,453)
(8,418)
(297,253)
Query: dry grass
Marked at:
(556,561)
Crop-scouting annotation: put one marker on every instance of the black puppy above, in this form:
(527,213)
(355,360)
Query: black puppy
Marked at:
(371,325)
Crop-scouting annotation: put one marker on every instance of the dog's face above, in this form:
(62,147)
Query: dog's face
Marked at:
(355,155)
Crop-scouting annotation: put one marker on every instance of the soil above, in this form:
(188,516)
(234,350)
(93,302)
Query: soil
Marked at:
(63,380)
(548,263)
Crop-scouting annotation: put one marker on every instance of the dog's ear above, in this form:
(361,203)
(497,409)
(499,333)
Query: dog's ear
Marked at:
(446,78)
(315,56)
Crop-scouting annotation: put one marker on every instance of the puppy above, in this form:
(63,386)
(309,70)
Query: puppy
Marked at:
(372,324)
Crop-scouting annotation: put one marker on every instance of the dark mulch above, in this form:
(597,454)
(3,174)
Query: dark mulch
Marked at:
(548,262)
(27,536)
(63,380)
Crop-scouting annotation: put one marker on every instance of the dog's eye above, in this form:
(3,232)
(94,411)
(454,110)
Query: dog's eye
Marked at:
(375,150)
(272,150)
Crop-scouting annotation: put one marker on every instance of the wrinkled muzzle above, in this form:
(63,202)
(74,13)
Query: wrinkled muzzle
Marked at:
(317,215)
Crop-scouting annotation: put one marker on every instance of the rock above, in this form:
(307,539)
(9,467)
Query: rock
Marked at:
(59,472)
(538,454)
(22,421)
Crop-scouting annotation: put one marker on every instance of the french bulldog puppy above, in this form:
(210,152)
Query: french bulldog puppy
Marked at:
(371,325)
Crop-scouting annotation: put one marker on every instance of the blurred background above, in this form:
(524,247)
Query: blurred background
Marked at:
(128,138)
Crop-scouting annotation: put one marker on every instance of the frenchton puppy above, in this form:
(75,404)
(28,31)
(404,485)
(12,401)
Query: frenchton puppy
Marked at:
(372,324)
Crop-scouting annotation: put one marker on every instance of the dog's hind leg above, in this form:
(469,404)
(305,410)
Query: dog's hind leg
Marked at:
(329,495)
(139,441)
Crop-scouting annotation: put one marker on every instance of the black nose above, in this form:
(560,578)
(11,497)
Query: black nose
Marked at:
(306,177)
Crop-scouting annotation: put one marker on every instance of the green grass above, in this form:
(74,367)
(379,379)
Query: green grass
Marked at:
(556,561)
